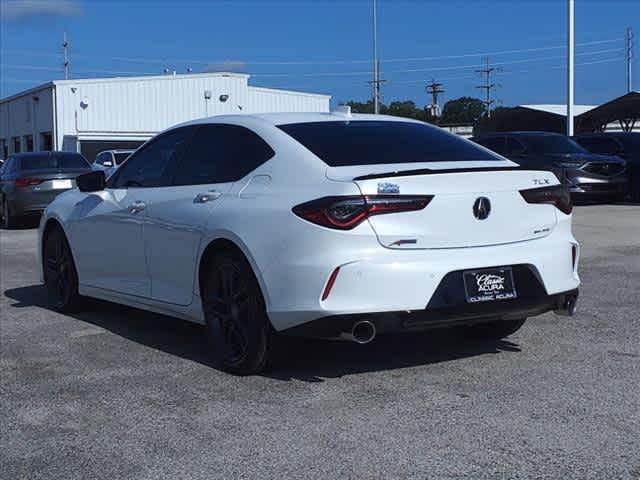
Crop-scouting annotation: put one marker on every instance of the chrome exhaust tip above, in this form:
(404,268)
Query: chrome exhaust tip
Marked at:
(363,332)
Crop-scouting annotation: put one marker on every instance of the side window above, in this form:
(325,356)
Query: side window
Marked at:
(495,144)
(100,159)
(153,165)
(603,145)
(222,153)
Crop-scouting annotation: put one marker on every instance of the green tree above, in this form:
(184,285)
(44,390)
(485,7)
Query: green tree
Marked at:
(462,110)
(359,107)
(406,109)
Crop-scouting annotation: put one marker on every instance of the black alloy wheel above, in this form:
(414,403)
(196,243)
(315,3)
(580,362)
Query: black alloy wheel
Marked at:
(239,331)
(60,275)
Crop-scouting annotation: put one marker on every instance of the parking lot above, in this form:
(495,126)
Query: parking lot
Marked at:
(115,392)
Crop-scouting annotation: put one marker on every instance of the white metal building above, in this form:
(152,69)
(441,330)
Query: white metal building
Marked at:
(90,115)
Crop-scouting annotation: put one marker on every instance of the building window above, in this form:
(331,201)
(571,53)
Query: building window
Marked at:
(16,144)
(28,140)
(5,149)
(46,142)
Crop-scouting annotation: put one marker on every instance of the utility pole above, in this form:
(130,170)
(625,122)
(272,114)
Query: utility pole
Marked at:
(65,48)
(488,86)
(629,57)
(570,71)
(434,89)
(376,63)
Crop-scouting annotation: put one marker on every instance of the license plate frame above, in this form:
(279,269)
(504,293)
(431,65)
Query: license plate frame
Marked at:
(63,184)
(489,285)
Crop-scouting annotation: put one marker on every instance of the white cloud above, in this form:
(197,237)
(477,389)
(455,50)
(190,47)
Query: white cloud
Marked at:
(25,10)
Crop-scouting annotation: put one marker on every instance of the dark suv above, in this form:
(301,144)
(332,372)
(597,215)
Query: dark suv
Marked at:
(623,144)
(587,175)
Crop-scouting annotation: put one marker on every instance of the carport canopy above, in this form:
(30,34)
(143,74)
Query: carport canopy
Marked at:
(552,118)
(624,109)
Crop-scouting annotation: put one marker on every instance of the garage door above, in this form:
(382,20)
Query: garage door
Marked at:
(90,148)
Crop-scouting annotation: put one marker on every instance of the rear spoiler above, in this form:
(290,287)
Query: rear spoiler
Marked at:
(429,171)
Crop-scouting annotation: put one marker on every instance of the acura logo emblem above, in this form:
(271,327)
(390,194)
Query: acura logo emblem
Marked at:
(481,208)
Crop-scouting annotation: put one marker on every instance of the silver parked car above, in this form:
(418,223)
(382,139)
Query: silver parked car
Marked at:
(110,160)
(30,181)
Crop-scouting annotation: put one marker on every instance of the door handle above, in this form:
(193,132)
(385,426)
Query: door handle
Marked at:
(137,207)
(207,197)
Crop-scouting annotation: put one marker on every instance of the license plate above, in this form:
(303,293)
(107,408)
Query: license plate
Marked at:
(61,184)
(489,285)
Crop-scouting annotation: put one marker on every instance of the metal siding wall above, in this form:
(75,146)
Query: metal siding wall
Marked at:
(263,100)
(136,109)
(16,122)
(144,106)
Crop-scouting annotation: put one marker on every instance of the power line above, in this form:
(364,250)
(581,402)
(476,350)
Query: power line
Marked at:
(318,62)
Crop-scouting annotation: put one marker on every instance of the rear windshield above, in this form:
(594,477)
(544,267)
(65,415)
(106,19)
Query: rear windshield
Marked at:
(121,157)
(54,161)
(341,144)
(542,144)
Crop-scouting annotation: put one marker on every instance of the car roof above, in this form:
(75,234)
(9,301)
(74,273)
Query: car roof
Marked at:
(276,119)
(40,154)
(607,134)
(522,134)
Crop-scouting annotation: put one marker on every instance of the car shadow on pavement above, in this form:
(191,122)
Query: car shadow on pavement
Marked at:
(309,360)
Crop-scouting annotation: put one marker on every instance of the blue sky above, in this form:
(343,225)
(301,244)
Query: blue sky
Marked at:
(325,46)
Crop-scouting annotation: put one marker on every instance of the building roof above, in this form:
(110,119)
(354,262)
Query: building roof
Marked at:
(558,109)
(147,78)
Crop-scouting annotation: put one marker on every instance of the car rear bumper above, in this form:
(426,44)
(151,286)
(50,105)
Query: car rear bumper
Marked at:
(32,203)
(426,319)
(384,280)
(580,186)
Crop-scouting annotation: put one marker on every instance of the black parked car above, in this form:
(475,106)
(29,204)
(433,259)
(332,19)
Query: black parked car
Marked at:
(623,144)
(587,175)
(30,181)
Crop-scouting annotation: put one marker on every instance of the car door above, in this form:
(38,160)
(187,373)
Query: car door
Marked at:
(107,227)
(218,156)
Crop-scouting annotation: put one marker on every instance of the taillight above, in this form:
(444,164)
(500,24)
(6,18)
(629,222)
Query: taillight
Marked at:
(27,182)
(556,195)
(345,213)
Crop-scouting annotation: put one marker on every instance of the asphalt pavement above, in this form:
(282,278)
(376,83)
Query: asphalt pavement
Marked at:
(115,392)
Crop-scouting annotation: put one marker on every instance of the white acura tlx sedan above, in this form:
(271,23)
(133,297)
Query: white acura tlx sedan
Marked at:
(326,225)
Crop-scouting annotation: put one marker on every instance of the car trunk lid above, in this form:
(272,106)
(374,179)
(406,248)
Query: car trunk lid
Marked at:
(454,217)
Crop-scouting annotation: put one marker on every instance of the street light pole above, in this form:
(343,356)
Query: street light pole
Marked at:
(376,73)
(570,72)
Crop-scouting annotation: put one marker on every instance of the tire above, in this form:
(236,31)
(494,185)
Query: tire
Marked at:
(497,330)
(60,275)
(239,331)
(7,221)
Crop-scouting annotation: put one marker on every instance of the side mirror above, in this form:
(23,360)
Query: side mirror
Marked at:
(91,181)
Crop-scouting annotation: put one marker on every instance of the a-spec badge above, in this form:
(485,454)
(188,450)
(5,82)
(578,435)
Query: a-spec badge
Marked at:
(386,187)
